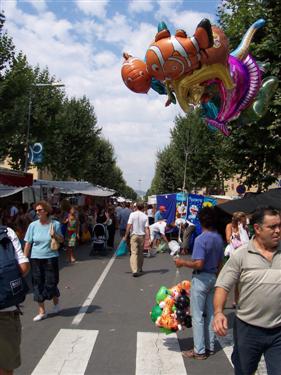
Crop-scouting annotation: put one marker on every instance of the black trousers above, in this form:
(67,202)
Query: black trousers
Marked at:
(45,278)
(250,342)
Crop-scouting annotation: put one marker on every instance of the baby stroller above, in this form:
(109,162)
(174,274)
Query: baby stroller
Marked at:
(99,239)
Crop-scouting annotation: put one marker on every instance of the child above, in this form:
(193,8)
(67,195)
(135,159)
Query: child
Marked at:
(72,234)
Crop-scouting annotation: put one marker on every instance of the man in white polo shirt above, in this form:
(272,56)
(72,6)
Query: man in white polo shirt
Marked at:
(137,226)
(10,326)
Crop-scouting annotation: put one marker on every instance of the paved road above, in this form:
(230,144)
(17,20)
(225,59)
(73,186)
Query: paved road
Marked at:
(104,327)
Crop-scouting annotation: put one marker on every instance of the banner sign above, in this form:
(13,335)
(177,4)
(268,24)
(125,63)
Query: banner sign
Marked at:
(35,154)
(195,203)
(181,205)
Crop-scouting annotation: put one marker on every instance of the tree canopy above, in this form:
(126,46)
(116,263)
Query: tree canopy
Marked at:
(192,160)
(254,148)
(67,127)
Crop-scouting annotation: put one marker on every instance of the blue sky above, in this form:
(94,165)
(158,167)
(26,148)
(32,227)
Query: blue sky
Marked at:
(82,41)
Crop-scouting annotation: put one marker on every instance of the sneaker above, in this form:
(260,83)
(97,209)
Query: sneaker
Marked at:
(136,274)
(56,309)
(39,317)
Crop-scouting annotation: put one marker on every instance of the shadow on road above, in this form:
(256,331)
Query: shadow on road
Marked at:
(72,311)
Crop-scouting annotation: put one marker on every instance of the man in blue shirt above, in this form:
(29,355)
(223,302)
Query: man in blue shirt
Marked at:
(123,217)
(159,215)
(206,262)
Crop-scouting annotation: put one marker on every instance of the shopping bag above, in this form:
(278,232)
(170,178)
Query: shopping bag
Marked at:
(162,247)
(122,248)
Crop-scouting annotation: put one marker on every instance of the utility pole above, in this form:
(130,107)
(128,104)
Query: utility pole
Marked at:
(139,186)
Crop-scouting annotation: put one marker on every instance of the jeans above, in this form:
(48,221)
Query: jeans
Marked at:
(202,293)
(250,342)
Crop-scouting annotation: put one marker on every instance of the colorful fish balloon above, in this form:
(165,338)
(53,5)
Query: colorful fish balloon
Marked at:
(200,70)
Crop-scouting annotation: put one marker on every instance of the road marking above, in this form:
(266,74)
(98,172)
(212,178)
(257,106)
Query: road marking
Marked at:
(87,303)
(158,354)
(68,354)
(226,343)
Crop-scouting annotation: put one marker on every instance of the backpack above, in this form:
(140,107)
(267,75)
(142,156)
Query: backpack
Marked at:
(13,287)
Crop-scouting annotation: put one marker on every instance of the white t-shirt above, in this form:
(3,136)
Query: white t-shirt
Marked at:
(157,228)
(19,257)
(180,221)
(150,212)
(139,222)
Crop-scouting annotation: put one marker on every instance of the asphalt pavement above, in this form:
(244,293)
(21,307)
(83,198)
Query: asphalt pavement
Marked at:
(104,327)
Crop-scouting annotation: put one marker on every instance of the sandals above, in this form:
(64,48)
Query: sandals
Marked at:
(191,354)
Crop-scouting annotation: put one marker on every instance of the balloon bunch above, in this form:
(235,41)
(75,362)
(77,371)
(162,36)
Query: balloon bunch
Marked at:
(172,311)
(200,70)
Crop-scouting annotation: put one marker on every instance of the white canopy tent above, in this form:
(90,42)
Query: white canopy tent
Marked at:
(6,190)
(32,193)
(75,187)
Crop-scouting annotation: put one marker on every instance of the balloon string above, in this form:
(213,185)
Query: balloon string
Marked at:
(177,278)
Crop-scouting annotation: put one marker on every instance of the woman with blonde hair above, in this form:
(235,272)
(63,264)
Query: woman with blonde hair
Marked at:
(44,260)
(236,234)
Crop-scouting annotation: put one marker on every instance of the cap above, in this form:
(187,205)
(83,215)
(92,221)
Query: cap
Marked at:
(162,208)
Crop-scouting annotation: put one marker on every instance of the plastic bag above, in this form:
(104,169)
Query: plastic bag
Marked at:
(122,248)
(162,247)
(229,250)
(243,234)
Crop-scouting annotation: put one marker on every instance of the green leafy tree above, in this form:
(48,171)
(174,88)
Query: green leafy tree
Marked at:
(7,49)
(14,101)
(193,159)
(253,149)
(72,136)
(73,147)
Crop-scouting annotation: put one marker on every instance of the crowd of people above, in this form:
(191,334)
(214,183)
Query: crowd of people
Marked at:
(251,247)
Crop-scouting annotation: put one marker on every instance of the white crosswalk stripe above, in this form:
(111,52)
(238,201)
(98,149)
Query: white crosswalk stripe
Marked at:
(158,354)
(226,343)
(68,354)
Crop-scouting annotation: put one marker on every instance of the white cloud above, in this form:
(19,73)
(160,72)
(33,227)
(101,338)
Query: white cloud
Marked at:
(9,7)
(138,6)
(105,59)
(140,128)
(39,5)
(176,18)
(118,32)
(166,7)
(93,7)
(188,20)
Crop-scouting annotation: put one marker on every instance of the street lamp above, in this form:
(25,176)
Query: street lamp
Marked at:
(51,84)
(140,193)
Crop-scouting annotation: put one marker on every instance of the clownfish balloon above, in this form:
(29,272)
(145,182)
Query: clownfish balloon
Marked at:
(135,75)
(200,70)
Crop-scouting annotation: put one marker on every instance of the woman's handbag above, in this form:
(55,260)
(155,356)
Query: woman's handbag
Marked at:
(55,245)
